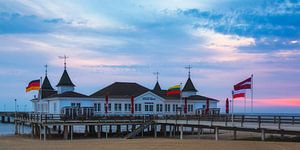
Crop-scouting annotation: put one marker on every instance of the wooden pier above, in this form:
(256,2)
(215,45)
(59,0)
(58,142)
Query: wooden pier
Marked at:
(47,125)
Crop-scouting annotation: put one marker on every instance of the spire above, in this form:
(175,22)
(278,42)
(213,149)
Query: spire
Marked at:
(46,84)
(189,68)
(65,61)
(65,80)
(157,87)
(189,86)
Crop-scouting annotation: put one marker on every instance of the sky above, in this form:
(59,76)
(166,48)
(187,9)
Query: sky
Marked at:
(225,41)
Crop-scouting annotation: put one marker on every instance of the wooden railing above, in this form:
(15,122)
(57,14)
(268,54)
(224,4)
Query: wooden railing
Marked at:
(33,117)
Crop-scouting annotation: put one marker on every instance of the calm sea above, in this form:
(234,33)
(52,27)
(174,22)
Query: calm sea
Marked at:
(9,129)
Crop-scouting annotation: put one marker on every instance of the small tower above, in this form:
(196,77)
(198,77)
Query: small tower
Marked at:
(65,84)
(46,87)
(189,88)
(157,86)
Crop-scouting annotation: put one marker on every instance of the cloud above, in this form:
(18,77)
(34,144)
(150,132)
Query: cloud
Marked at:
(221,42)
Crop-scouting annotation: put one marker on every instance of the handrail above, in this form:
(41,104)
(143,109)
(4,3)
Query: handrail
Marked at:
(279,120)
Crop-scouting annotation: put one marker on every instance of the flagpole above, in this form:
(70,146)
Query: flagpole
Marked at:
(252,93)
(232,109)
(244,104)
(180,100)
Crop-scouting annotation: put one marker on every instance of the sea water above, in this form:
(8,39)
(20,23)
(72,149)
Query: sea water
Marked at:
(9,129)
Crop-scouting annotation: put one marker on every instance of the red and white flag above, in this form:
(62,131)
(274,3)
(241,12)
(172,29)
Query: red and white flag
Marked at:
(246,84)
(238,93)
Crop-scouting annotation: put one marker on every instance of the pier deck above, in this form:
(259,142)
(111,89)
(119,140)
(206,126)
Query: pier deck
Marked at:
(283,125)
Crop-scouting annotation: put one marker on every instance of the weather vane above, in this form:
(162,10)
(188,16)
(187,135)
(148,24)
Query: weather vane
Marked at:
(46,69)
(65,60)
(156,73)
(189,68)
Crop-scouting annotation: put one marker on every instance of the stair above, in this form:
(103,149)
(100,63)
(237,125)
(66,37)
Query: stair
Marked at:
(132,134)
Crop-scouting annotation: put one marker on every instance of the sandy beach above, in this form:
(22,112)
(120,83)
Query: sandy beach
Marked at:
(25,143)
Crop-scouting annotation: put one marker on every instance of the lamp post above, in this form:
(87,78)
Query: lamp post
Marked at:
(15,108)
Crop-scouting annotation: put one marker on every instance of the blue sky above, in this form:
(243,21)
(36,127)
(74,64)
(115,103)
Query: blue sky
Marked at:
(225,41)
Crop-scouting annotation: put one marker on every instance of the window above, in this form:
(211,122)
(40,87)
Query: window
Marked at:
(127,107)
(159,107)
(54,107)
(118,107)
(97,107)
(175,107)
(167,107)
(109,107)
(75,104)
(190,107)
(148,107)
(138,107)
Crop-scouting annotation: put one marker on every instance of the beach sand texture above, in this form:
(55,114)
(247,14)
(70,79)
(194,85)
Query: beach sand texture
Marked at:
(24,143)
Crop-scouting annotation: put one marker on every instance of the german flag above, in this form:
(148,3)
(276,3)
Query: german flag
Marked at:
(33,85)
(174,90)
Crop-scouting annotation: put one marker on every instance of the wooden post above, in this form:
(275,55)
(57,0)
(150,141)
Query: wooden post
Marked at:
(16,127)
(99,131)
(106,131)
(279,122)
(118,130)
(199,132)
(216,133)
(181,132)
(234,134)
(66,132)
(32,130)
(71,132)
(45,132)
(170,130)
(155,130)
(110,130)
(259,121)
(86,130)
(142,129)
(263,134)
(40,132)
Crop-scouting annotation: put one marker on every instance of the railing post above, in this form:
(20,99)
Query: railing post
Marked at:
(279,122)
(242,121)
(259,121)
(293,120)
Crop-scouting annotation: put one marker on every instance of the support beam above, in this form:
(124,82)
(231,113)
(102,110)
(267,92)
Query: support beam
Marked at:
(71,132)
(45,133)
(99,131)
(181,132)
(234,134)
(170,130)
(155,130)
(263,134)
(106,131)
(40,131)
(199,132)
(66,132)
(16,127)
(216,133)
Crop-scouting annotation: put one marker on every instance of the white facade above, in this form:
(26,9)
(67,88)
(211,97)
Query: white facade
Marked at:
(147,103)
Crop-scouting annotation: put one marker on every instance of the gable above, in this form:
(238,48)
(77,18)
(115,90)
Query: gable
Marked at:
(149,97)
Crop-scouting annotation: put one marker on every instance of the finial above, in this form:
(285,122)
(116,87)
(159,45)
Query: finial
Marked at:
(156,73)
(65,60)
(189,68)
(46,70)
